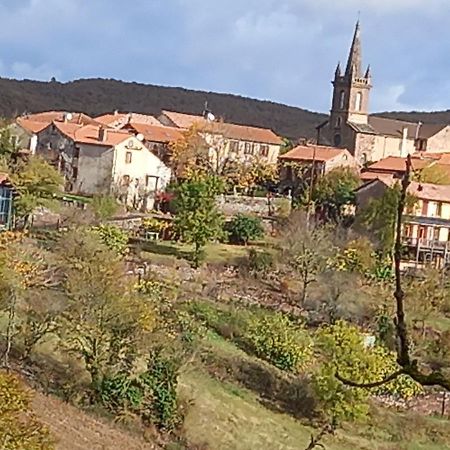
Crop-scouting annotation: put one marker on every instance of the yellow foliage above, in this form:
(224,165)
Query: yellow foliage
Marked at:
(19,429)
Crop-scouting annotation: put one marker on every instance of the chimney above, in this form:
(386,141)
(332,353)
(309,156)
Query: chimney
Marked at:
(102,134)
(403,151)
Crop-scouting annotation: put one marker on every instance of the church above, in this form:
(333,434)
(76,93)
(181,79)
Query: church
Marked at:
(371,138)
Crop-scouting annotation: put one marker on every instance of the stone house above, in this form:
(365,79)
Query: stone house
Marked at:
(98,160)
(298,164)
(371,138)
(229,141)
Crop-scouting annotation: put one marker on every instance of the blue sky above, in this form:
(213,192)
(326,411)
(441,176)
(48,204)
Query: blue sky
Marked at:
(280,50)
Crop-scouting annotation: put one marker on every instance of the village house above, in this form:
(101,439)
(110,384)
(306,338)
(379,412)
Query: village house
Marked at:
(97,160)
(426,224)
(229,141)
(26,128)
(299,163)
(371,138)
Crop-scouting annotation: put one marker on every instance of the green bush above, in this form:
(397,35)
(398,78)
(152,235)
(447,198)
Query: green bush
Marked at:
(242,229)
(278,340)
(260,261)
(113,237)
(152,395)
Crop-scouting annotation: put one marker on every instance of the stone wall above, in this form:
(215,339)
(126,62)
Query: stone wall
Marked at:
(230,205)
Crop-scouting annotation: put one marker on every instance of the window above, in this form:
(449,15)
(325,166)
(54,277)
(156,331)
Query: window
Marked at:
(264,150)
(439,209)
(76,152)
(358,101)
(248,148)
(337,140)
(407,231)
(422,232)
(436,231)
(126,180)
(421,145)
(363,159)
(234,146)
(424,208)
(338,122)
(128,157)
(341,99)
(74,173)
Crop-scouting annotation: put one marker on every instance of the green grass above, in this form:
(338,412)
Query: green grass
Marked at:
(216,253)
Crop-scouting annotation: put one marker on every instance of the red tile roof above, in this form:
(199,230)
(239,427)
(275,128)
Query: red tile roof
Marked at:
(160,133)
(117,119)
(60,116)
(368,176)
(229,130)
(397,164)
(90,134)
(425,191)
(319,153)
(30,125)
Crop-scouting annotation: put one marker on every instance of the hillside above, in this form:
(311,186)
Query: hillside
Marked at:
(97,96)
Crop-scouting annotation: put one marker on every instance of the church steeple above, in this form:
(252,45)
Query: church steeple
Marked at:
(354,61)
(350,104)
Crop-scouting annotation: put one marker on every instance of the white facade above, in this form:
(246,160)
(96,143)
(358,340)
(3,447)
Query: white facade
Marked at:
(128,168)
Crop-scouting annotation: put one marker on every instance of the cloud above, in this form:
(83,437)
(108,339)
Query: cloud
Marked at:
(283,50)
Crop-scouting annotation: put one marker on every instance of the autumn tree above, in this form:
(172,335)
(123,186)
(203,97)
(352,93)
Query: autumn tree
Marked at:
(27,279)
(19,428)
(197,219)
(36,183)
(104,322)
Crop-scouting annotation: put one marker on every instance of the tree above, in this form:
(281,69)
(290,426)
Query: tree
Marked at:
(333,192)
(104,322)
(242,229)
(408,365)
(8,149)
(197,219)
(19,428)
(36,183)
(190,154)
(380,217)
(306,249)
(27,276)
(433,174)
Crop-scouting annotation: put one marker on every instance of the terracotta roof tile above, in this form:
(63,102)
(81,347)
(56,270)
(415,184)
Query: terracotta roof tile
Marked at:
(122,119)
(397,164)
(90,134)
(425,191)
(160,133)
(309,152)
(30,125)
(58,116)
(229,130)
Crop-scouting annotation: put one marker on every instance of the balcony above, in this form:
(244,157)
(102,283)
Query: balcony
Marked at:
(427,244)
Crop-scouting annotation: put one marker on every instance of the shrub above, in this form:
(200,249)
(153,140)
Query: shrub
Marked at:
(113,237)
(243,229)
(19,429)
(104,206)
(260,261)
(152,395)
(343,350)
(275,338)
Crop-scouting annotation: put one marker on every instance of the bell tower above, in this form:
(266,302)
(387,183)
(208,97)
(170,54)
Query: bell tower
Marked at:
(351,91)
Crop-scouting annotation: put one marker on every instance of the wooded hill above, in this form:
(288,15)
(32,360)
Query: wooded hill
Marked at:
(97,96)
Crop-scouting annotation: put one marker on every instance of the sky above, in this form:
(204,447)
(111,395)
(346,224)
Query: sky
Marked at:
(280,50)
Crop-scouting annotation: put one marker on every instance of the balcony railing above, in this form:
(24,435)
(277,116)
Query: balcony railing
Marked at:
(427,243)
